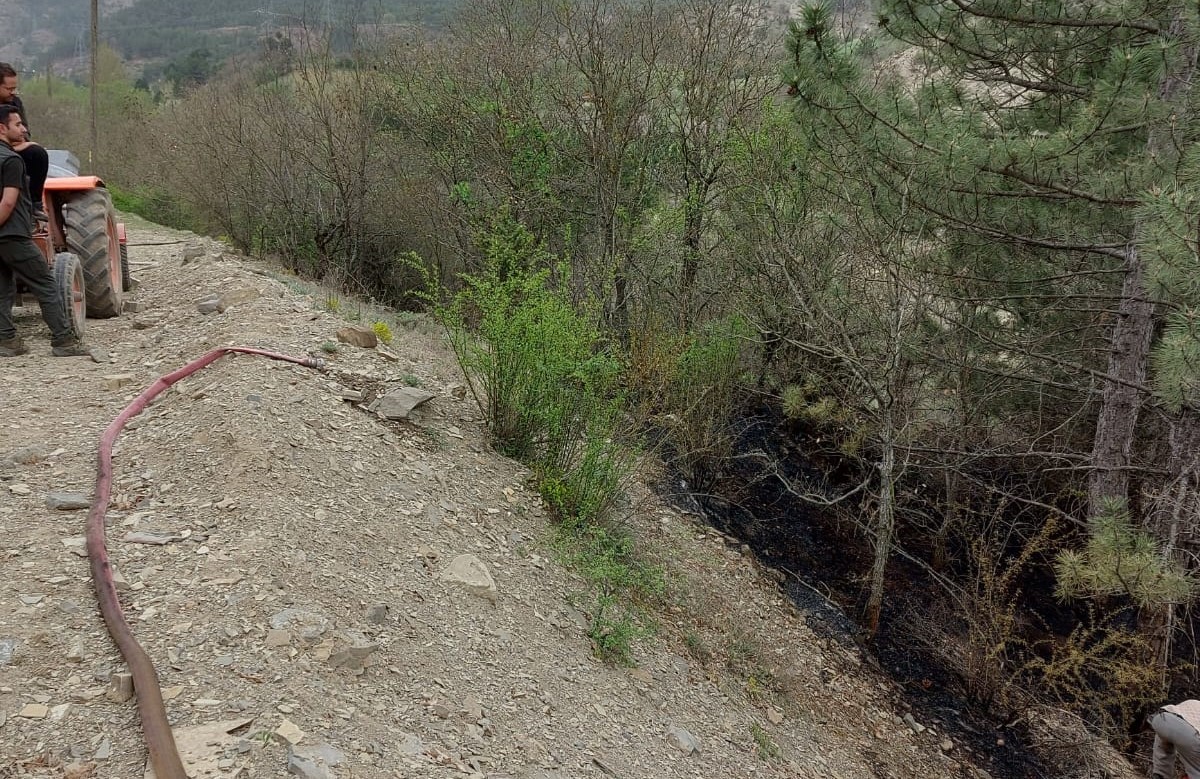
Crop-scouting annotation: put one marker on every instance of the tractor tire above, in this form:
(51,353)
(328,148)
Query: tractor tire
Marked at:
(126,278)
(91,228)
(72,290)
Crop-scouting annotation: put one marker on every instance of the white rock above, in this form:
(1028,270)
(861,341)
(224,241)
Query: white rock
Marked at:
(34,711)
(682,740)
(470,572)
(289,732)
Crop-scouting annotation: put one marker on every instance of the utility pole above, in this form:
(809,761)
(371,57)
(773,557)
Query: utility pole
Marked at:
(95,77)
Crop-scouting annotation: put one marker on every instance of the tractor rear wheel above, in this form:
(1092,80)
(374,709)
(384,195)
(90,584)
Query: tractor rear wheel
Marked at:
(91,227)
(69,281)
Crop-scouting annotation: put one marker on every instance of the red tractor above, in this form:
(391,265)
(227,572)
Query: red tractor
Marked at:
(83,243)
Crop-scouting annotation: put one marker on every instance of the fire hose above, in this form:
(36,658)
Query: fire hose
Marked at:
(160,742)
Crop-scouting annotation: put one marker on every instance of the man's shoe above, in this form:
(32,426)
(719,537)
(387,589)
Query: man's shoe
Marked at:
(39,212)
(74,348)
(13,347)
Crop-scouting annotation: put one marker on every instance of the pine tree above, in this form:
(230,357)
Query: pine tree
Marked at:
(1049,148)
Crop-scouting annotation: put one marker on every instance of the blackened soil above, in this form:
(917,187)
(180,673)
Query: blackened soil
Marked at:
(824,560)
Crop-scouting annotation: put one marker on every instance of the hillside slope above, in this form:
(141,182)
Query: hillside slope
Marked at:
(303,590)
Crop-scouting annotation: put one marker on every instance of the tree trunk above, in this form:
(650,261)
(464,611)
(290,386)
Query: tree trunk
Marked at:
(950,520)
(693,223)
(885,526)
(1133,333)
(1112,447)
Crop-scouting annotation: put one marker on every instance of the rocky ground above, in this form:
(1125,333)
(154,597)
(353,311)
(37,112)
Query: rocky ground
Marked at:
(307,576)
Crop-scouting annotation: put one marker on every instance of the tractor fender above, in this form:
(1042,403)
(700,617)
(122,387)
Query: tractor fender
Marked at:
(74,183)
(121,233)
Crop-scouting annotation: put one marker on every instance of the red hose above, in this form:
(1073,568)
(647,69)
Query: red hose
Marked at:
(160,742)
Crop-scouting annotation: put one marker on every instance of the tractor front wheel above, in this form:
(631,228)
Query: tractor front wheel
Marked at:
(91,227)
(69,281)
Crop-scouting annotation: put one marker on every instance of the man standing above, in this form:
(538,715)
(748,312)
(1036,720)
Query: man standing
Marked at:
(1176,733)
(20,256)
(37,161)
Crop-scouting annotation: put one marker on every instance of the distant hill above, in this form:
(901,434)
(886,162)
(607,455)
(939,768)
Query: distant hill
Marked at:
(166,29)
(160,29)
(35,28)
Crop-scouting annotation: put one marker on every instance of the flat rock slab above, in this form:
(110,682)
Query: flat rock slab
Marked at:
(289,733)
(399,403)
(201,747)
(153,539)
(308,625)
(34,711)
(682,740)
(116,381)
(67,501)
(314,762)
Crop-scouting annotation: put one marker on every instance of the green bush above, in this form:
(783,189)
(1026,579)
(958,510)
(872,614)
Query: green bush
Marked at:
(550,392)
(622,582)
(540,372)
(382,331)
(613,631)
(702,397)
(1121,559)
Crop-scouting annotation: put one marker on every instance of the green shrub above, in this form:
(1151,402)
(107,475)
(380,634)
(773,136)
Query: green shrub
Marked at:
(767,748)
(702,397)
(621,580)
(550,392)
(382,332)
(613,631)
(543,378)
(1122,559)
(607,557)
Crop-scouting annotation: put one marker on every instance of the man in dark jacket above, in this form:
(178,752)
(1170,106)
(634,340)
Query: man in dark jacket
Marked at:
(37,162)
(20,256)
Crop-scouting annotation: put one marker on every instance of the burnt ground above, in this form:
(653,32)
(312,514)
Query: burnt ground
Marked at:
(825,559)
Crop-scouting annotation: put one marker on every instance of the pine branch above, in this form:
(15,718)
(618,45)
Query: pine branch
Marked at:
(1116,250)
(1053,359)
(1009,172)
(1032,21)
(1040,280)
(998,66)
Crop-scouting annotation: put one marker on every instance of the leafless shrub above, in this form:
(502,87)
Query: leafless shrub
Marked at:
(1065,744)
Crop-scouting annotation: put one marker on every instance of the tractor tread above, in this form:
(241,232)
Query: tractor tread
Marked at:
(89,217)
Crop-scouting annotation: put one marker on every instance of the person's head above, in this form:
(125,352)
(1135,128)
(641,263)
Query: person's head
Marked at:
(8,82)
(12,126)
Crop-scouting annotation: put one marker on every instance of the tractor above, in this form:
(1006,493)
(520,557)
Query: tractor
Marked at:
(83,243)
